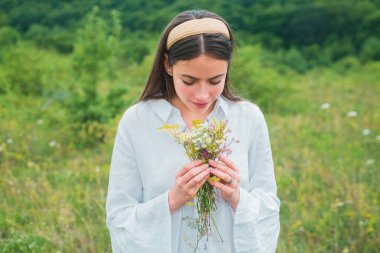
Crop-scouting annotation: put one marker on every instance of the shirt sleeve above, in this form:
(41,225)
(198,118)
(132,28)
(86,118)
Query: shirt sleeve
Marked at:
(257,223)
(134,225)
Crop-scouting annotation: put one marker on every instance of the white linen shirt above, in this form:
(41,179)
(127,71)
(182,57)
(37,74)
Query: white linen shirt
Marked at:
(143,170)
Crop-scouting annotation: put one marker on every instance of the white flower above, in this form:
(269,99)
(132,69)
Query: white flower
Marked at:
(52,143)
(9,141)
(40,121)
(378,137)
(338,204)
(325,106)
(301,228)
(184,137)
(352,114)
(366,131)
(97,169)
(370,162)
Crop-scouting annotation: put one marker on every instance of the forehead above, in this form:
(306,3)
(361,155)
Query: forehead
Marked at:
(202,66)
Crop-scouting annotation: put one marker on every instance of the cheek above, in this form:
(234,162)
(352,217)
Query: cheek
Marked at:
(217,90)
(182,89)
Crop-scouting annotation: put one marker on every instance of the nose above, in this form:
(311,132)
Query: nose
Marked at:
(202,93)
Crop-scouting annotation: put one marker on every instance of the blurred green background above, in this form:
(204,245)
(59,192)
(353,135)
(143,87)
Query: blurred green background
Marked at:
(69,69)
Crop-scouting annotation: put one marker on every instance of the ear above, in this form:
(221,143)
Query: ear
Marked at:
(168,68)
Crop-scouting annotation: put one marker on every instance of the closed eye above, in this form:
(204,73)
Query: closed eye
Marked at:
(187,83)
(211,82)
(215,82)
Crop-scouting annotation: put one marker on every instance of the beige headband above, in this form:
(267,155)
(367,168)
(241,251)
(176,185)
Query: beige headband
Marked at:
(196,26)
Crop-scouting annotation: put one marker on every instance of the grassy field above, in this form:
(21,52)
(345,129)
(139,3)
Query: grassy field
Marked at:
(325,133)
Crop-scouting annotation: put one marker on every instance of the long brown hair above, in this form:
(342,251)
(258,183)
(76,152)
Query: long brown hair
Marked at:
(160,83)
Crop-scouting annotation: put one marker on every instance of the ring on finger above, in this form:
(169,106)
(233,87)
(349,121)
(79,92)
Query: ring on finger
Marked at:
(230,181)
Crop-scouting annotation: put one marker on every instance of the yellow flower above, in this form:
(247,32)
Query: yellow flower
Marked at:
(197,123)
(214,179)
(167,126)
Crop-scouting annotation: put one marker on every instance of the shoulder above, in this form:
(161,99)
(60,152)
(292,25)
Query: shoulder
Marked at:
(246,110)
(133,114)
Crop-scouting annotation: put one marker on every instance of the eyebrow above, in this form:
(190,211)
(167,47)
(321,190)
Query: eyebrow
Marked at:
(198,78)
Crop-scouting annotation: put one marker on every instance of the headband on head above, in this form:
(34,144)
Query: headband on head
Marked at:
(194,27)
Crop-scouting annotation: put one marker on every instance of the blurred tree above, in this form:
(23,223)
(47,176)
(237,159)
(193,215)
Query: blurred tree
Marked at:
(27,70)
(346,64)
(315,56)
(19,75)
(371,49)
(294,59)
(282,23)
(8,37)
(94,60)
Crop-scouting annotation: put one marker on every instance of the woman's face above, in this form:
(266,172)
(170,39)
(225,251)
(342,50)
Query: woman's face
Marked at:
(198,83)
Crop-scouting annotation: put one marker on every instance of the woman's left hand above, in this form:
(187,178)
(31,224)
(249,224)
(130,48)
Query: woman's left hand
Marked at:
(230,179)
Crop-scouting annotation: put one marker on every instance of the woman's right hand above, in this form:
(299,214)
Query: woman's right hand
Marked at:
(188,181)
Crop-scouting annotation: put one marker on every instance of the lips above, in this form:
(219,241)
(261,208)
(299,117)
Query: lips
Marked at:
(200,105)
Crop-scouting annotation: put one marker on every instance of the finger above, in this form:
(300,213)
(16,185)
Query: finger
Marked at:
(188,166)
(227,189)
(225,176)
(199,185)
(194,172)
(223,168)
(229,163)
(218,165)
(199,178)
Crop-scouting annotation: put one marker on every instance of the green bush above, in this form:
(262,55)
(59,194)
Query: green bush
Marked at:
(30,71)
(346,64)
(8,37)
(294,59)
(56,38)
(340,47)
(371,49)
(256,79)
(135,47)
(317,56)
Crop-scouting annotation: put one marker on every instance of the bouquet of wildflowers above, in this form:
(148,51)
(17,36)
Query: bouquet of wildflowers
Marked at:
(203,142)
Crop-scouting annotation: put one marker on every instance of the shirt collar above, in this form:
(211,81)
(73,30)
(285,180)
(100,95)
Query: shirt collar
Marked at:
(163,108)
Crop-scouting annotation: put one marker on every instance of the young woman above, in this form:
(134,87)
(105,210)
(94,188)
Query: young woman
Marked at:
(151,178)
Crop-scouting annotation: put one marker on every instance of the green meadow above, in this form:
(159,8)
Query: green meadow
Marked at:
(61,97)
